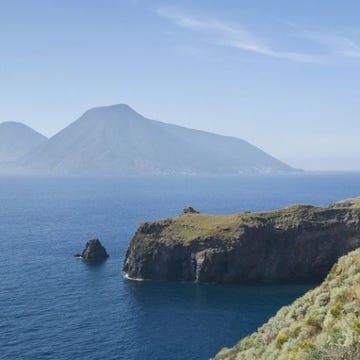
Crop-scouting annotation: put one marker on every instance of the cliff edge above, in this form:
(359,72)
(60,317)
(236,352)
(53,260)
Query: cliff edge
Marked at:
(297,243)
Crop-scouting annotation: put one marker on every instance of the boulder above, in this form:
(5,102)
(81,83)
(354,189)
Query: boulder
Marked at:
(190,210)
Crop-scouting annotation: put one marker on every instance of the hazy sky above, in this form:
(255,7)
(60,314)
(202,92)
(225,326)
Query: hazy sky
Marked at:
(284,75)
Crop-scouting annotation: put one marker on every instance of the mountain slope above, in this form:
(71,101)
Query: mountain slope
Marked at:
(322,324)
(116,140)
(17,139)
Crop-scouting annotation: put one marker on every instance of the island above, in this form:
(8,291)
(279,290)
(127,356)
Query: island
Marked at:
(296,243)
(93,251)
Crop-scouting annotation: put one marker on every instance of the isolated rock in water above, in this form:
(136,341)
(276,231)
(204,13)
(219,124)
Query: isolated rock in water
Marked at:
(94,251)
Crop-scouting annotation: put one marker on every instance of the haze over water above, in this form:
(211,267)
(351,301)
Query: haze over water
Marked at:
(56,307)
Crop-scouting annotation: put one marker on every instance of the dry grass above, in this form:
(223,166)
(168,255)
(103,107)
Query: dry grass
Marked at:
(193,225)
(349,203)
(322,324)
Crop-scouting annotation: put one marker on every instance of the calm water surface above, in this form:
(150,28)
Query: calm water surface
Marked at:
(53,306)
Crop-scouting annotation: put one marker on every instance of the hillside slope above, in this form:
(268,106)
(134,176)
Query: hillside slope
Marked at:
(322,324)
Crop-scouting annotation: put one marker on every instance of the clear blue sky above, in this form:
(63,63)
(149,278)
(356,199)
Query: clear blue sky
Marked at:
(284,75)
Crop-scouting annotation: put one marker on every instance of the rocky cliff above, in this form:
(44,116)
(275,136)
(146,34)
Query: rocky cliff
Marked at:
(297,243)
(93,251)
(322,324)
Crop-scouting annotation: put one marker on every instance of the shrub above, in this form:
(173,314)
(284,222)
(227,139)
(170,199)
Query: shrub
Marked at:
(336,337)
(356,326)
(337,309)
(314,322)
(281,339)
(351,352)
(305,345)
(296,331)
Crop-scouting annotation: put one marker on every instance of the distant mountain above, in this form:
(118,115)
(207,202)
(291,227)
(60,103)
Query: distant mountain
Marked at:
(17,139)
(116,140)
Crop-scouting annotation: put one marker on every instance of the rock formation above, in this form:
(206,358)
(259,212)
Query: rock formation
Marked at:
(93,251)
(190,210)
(297,243)
(322,324)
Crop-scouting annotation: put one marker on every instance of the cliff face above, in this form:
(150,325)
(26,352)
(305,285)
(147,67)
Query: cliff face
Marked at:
(298,243)
(322,324)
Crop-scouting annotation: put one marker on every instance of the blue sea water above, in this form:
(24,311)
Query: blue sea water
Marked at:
(53,306)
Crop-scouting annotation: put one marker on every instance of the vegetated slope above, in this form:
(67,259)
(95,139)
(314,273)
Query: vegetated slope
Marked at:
(322,324)
(16,139)
(297,243)
(116,140)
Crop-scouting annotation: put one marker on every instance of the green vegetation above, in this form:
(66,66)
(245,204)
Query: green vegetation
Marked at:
(357,326)
(315,322)
(336,309)
(323,324)
(281,340)
(306,345)
(349,203)
(331,352)
(192,225)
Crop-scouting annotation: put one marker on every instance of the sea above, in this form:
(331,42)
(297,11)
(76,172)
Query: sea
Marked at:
(54,306)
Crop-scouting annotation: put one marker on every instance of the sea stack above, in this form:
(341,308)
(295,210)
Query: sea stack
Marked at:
(94,251)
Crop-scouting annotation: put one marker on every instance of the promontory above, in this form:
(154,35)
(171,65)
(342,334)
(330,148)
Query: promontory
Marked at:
(297,243)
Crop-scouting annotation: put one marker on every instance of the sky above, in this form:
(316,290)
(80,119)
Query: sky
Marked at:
(283,75)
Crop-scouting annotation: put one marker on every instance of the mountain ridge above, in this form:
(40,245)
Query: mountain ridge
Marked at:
(16,139)
(117,140)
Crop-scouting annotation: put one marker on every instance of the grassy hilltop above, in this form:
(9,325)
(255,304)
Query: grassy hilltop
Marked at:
(296,243)
(192,224)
